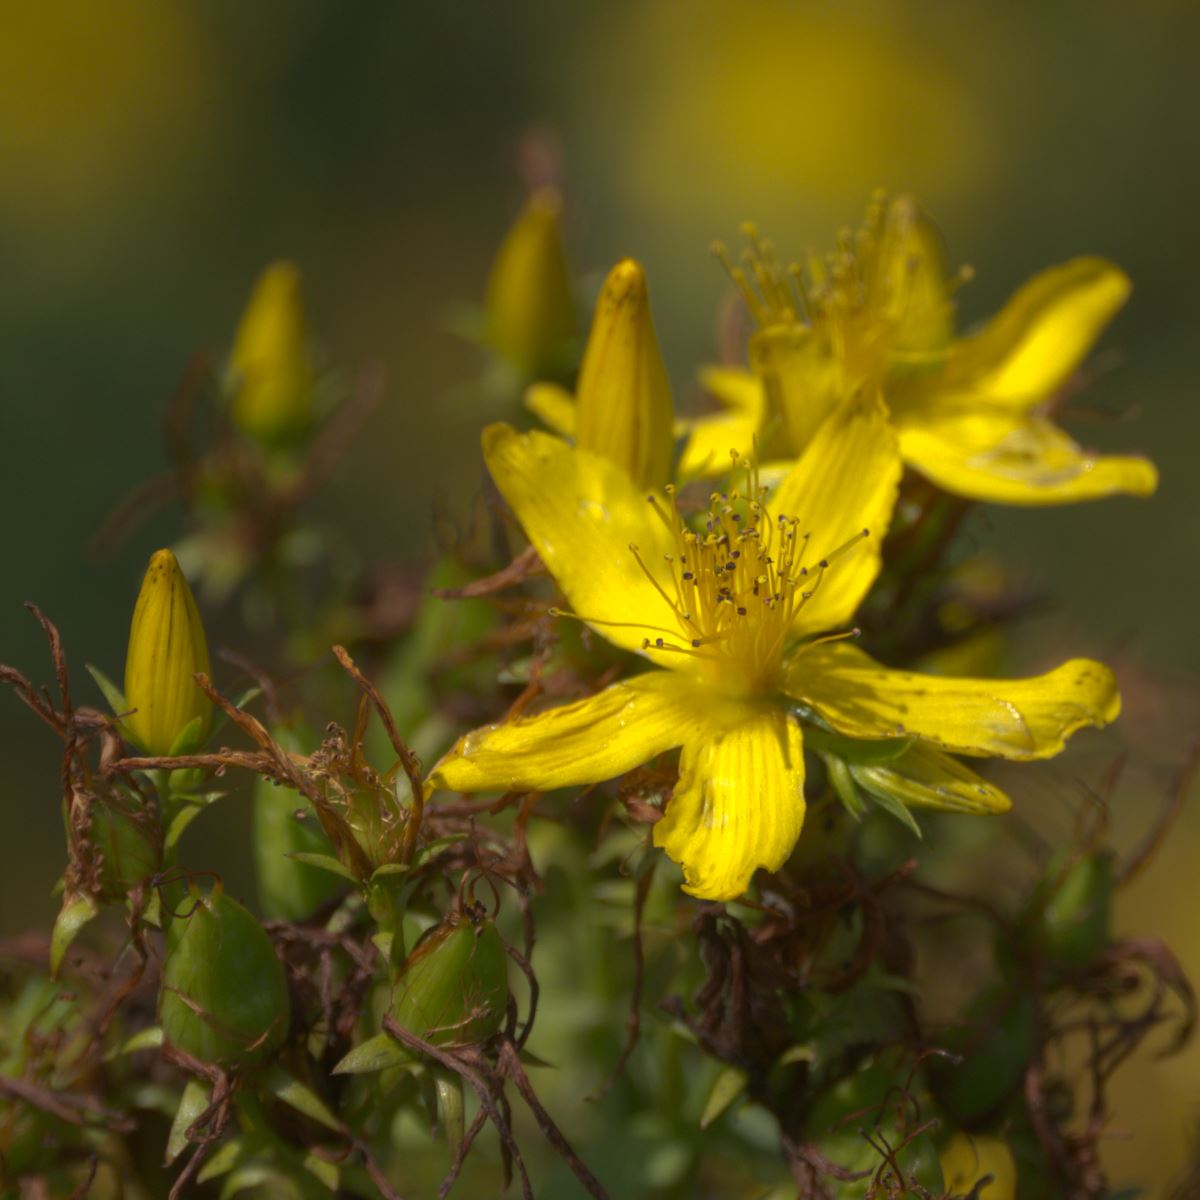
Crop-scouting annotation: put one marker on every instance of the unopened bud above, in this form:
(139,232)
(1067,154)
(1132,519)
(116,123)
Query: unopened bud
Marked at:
(530,311)
(224,996)
(270,371)
(624,397)
(909,287)
(1069,917)
(167,648)
(453,990)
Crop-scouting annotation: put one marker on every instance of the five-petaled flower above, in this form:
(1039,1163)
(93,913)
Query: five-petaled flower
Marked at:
(971,414)
(730,609)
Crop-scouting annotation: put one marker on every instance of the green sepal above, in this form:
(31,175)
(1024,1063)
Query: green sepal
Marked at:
(893,806)
(726,1088)
(854,751)
(72,917)
(191,1104)
(190,738)
(301,1097)
(375,1054)
(221,717)
(191,806)
(112,695)
(844,786)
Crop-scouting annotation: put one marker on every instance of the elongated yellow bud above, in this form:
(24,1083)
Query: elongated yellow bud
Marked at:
(624,397)
(530,310)
(967,1158)
(166,649)
(270,371)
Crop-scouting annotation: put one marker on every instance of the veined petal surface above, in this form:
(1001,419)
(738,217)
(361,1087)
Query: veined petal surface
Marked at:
(1015,458)
(1030,348)
(739,803)
(582,513)
(1008,718)
(844,482)
(593,739)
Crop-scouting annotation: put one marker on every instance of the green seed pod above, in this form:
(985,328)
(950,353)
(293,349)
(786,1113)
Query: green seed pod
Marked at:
(453,989)
(996,1041)
(1070,912)
(128,849)
(288,890)
(864,1108)
(224,996)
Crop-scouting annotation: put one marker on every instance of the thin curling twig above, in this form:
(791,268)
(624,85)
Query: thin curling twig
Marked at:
(408,760)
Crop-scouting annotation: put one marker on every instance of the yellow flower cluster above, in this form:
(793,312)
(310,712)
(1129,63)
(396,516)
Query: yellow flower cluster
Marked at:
(741,607)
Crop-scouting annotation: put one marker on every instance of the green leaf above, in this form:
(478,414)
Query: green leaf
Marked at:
(191,1104)
(326,862)
(112,694)
(327,1173)
(728,1086)
(844,786)
(896,808)
(71,919)
(375,1054)
(190,808)
(145,1039)
(302,1098)
(224,1159)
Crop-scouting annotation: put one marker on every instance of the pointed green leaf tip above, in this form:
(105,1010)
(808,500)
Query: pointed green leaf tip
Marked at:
(167,648)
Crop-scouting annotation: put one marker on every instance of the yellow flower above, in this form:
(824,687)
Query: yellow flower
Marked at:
(622,407)
(731,614)
(529,311)
(970,414)
(167,648)
(967,1158)
(270,371)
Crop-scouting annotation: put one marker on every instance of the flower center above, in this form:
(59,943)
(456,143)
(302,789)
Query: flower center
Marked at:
(735,585)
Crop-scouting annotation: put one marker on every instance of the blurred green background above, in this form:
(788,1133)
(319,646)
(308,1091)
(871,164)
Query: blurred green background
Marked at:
(154,156)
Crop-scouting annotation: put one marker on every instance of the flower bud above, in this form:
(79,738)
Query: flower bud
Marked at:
(224,996)
(530,313)
(967,1158)
(167,648)
(996,1042)
(453,989)
(270,371)
(1070,912)
(624,408)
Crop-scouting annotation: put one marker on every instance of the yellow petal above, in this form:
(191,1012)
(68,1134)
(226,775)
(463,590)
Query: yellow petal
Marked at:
(710,440)
(803,381)
(844,482)
(1008,718)
(623,402)
(554,406)
(1042,334)
(1015,458)
(596,738)
(167,648)
(739,803)
(581,511)
(927,778)
(967,1158)
(733,388)
(712,437)
(530,311)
